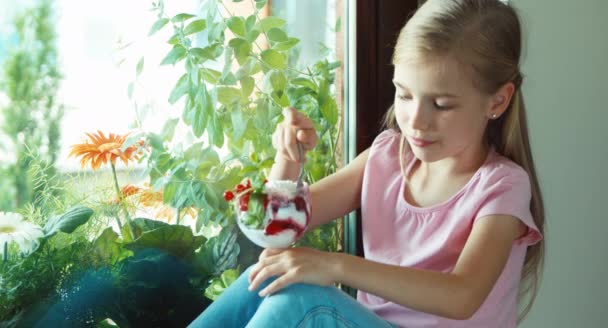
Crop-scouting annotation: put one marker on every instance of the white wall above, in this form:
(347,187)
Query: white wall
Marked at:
(566,90)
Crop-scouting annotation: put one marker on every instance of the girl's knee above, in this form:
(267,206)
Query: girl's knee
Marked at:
(309,294)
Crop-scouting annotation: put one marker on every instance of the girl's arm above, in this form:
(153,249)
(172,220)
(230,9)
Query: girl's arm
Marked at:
(333,196)
(457,294)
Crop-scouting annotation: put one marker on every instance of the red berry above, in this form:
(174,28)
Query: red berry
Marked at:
(248,185)
(228,196)
(244,199)
(243,208)
(240,188)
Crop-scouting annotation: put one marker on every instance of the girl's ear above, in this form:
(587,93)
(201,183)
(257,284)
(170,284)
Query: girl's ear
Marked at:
(500,100)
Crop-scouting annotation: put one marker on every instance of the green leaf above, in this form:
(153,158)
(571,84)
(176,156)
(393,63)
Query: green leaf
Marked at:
(296,95)
(176,54)
(207,53)
(301,81)
(250,22)
(204,110)
(69,221)
(256,211)
(130,90)
(329,109)
(176,240)
(280,98)
(228,79)
(175,39)
(253,34)
(261,118)
(247,86)
(216,135)
(237,25)
(195,26)
(181,17)
(338,26)
(140,66)
(246,68)
(156,141)
(132,140)
(242,48)
(212,195)
(169,129)
(219,284)
(158,25)
(219,253)
(277,80)
(216,32)
(141,225)
(270,22)
(239,124)
(108,248)
(276,35)
(180,89)
(228,95)
(210,75)
(169,191)
(259,4)
(282,46)
(274,59)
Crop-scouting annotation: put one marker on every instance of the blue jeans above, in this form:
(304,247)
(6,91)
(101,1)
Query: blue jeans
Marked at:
(298,305)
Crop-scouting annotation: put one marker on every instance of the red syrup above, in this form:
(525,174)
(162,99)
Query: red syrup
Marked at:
(275,227)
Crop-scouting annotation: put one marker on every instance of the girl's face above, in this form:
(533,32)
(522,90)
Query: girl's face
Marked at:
(439,110)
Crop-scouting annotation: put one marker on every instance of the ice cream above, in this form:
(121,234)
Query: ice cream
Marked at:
(282,218)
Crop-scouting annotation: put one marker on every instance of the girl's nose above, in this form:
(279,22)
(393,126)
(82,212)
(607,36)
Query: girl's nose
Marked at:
(419,118)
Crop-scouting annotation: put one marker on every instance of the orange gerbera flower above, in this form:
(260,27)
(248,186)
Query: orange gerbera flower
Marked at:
(100,149)
(166,213)
(130,190)
(150,198)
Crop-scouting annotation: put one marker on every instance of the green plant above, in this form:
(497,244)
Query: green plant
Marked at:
(151,273)
(32,116)
(237,109)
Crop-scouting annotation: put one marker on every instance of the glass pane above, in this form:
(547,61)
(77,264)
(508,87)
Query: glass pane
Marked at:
(122,128)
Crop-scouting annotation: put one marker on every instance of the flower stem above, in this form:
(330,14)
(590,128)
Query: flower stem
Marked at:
(116,187)
(178,212)
(5,251)
(120,199)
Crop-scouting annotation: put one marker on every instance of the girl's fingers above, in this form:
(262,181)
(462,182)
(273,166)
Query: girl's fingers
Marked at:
(308,138)
(279,283)
(275,269)
(282,145)
(267,252)
(290,143)
(296,127)
(266,258)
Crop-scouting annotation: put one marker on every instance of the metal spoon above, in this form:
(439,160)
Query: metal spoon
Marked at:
(301,159)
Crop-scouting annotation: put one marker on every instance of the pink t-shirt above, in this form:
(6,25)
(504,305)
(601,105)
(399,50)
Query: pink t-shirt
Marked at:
(432,238)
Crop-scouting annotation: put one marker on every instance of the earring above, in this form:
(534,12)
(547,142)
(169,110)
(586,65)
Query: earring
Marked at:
(493,115)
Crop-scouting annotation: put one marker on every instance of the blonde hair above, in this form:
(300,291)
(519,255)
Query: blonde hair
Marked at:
(485,35)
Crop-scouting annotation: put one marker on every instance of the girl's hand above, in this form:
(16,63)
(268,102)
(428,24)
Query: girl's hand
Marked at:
(292,265)
(295,127)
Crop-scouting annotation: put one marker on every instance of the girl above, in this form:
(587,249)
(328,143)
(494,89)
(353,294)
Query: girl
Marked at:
(451,208)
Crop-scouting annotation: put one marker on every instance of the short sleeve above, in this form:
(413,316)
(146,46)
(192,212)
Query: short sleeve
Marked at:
(385,150)
(509,193)
(385,139)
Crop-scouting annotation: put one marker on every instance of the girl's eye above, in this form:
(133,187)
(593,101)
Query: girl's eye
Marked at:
(404,97)
(441,107)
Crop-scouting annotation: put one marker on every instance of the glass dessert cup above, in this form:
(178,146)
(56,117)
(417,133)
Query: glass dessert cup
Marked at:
(285,217)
